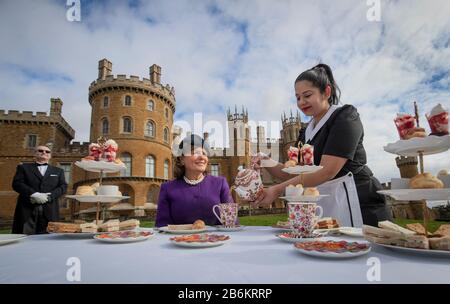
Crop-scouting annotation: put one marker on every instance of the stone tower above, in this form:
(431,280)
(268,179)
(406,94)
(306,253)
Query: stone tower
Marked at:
(407,166)
(138,115)
(239,138)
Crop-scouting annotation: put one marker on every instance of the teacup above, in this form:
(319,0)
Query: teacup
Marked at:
(228,213)
(303,218)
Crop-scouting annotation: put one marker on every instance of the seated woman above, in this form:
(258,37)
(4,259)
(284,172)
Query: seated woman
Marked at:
(193,193)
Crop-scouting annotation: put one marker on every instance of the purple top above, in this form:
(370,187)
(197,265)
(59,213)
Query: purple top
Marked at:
(181,203)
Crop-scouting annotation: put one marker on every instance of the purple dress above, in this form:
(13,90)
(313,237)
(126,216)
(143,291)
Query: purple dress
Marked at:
(181,203)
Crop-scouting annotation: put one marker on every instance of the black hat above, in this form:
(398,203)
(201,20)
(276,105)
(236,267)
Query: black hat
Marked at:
(189,143)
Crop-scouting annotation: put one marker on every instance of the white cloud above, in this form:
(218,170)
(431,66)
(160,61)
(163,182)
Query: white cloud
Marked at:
(221,53)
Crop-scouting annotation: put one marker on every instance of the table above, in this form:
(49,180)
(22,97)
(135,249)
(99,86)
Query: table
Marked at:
(253,255)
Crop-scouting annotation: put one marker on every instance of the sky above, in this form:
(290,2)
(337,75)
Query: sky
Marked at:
(218,54)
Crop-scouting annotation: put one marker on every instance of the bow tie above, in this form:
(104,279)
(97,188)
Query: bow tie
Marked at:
(41,164)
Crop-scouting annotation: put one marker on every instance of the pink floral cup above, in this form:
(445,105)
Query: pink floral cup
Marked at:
(303,218)
(228,213)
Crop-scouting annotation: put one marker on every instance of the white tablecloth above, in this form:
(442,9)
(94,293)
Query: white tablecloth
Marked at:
(253,255)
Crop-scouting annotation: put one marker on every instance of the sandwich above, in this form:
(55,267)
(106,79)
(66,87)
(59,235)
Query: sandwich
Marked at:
(109,226)
(129,224)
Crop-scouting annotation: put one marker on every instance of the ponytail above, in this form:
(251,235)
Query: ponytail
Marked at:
(321,76)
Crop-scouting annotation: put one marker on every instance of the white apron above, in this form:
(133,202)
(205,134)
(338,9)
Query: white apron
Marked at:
(342,202)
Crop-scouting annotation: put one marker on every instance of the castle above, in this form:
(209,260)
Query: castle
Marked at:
(138,114)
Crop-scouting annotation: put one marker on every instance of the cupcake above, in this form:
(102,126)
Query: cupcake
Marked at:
(404,123)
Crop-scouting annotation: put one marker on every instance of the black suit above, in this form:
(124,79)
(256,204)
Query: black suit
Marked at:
(29,180)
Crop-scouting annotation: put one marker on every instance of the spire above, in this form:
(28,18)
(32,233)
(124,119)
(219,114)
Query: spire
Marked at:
(291,114)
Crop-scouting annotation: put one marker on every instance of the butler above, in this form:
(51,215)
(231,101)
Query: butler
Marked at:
(39,186)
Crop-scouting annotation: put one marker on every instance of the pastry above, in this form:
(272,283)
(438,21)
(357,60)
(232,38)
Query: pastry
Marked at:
(198,224)
(327,223)
(290,163)
(415,132)
(311,192)
(292,190)
(85,190)
(438,120)
(404,123)
(307,155)
(425,181)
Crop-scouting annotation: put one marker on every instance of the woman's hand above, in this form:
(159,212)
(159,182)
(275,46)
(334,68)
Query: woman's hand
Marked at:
(267,196)
(255,160)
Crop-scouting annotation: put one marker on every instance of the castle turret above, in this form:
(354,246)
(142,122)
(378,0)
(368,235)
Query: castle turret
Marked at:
(155,74)
(407,166)
(104,68)
(55,106)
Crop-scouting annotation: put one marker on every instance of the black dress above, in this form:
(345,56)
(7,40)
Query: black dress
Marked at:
(342,135)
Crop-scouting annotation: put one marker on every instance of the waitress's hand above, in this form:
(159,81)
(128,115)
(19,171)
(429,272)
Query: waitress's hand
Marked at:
(267,196)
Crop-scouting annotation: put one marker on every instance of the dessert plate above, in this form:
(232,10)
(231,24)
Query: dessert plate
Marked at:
(301,169)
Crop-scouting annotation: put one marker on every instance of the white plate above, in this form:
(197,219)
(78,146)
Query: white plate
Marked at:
(229,229)
(98,198)
(297,240)
(287,229)
(124,240)
(426,252)
(78,235)
(301,169)
(327,231)
(165,229)
(11,238)
(98,166)
(304,198)
(411,147)
(418,194)
(333,255)
(199,244)
(351,231)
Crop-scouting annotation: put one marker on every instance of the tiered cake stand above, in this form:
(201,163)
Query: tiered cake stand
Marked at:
(419,147)
(99,167)
(302,170)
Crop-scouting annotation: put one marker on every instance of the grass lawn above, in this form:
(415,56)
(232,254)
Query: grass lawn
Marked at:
(271,219)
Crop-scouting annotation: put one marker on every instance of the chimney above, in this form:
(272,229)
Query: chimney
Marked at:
(55,106)
(155,74)
(104,68)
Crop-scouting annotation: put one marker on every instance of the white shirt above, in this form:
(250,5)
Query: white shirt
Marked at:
(43,169)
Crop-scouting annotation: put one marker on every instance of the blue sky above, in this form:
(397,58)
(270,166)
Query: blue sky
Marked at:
(218,54)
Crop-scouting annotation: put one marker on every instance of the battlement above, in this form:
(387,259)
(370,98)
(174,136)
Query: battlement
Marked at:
(291,120)
(122,80)
(39,117)
(75,148)
(243,116)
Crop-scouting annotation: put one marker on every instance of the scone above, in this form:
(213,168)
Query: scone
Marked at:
(425,181)
(198,224)
(311,192)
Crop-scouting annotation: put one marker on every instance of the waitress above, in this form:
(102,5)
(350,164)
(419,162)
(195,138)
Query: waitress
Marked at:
(336,132)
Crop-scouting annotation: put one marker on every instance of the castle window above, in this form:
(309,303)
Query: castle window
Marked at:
(31,140)
(149,166)
(127,160)
(105,126)
(127,101)
(214,169)
(67,168)
(166,135)
(166,169)
(105,101)
(150,105)
(127,125)
(167,113)
(150,129)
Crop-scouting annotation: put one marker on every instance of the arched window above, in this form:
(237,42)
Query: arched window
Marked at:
(166,135)
(105,126)
(127,125)
(167,113)
(127,160)
(149,166)
(150,105)
(166,169)
(150,129)
(105,101)
(128,100)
